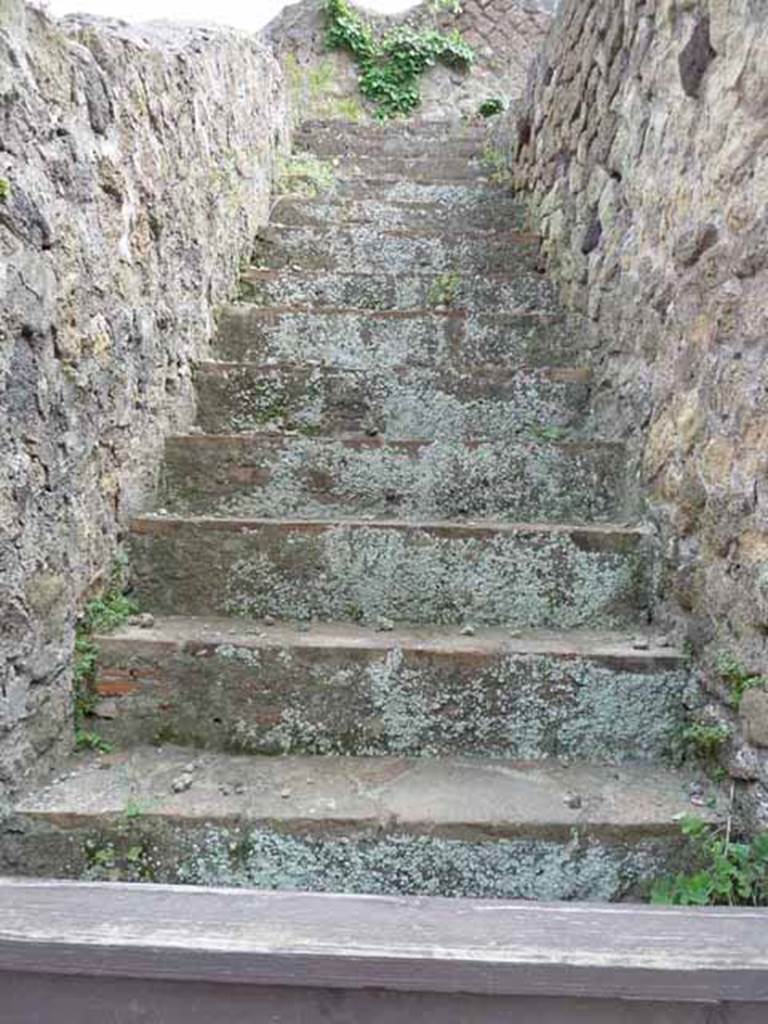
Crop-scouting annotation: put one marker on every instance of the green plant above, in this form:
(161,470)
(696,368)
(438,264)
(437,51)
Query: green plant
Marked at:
(86,740)
(737,677)
(546,432)
(442,291)
(704,741)
(303,174)
(5,189)
(313,89)
(100,615)
(445,6)
(133,809)
(105,862)
(389,66)
(727,873)
(493,105)
(495,163)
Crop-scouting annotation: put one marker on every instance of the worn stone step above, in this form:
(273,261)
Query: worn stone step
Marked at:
(441,826)
(483,211)
(394,402)
(408,571)
(429,164)
(489,293)
(394,188)
(230,685)
(416,126)
(443,337)
(337,139)
(270,474)
(376,249)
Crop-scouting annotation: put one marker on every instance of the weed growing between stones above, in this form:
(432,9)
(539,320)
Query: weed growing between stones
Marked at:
(5,189)
(728,873)
(547,432)
(304,175)
(737,677)
(443,290)
(101,614)
(494,162)
(701,741)
(490,107)
(390,66)
(312,91)
(106,862)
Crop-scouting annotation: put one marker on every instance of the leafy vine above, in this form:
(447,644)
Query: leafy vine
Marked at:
(389,67)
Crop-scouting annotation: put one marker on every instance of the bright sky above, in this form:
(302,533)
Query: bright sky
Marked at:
(249,15)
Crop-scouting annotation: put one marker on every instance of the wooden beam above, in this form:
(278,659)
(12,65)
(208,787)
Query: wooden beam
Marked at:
(244,937)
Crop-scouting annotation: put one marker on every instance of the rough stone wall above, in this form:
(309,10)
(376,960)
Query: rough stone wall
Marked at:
(506,34)
(643,142)
(135,168)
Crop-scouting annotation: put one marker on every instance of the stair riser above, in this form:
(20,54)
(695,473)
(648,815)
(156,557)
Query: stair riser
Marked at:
(367,132)
(370,250)
(587,866)
(409,574)
(331,143)
(396,189)
(483,214)
(418,404)
(269,476)
(300,700)
(525,292)
(248,333)
(432,166)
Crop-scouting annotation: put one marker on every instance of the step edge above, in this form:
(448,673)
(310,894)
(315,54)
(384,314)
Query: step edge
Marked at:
(284,635)
(576,447)
(149,520)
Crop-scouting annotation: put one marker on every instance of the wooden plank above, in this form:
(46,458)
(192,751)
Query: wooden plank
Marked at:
(60,999)
(395,944)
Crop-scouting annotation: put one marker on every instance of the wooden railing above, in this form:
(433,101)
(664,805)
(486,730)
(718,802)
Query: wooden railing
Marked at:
(79,953)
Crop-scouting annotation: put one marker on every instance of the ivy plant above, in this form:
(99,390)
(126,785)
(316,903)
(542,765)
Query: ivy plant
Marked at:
(389,66)
(727,872)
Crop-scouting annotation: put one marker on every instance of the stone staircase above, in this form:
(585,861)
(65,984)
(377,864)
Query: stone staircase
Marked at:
(401,604)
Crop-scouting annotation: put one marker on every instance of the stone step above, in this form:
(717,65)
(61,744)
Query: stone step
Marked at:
(484,212)
(395,402)
(524,292)
(451,827)
(361,570)
(428,164)
(395,188)
(416,126)
(230,685)
(443,337)
(337,139)
(270,474)
(374,249)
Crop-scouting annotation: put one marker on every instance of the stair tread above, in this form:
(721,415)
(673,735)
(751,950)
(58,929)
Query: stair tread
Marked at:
(448,312)
(148,521)
(512,234)
(357,439)
(555,374)
(193,633)
(460,796)
(516,236)
(258,272)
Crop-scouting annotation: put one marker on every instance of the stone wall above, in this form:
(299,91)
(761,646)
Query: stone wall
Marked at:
(135,167)
(643,141)
(505,35)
